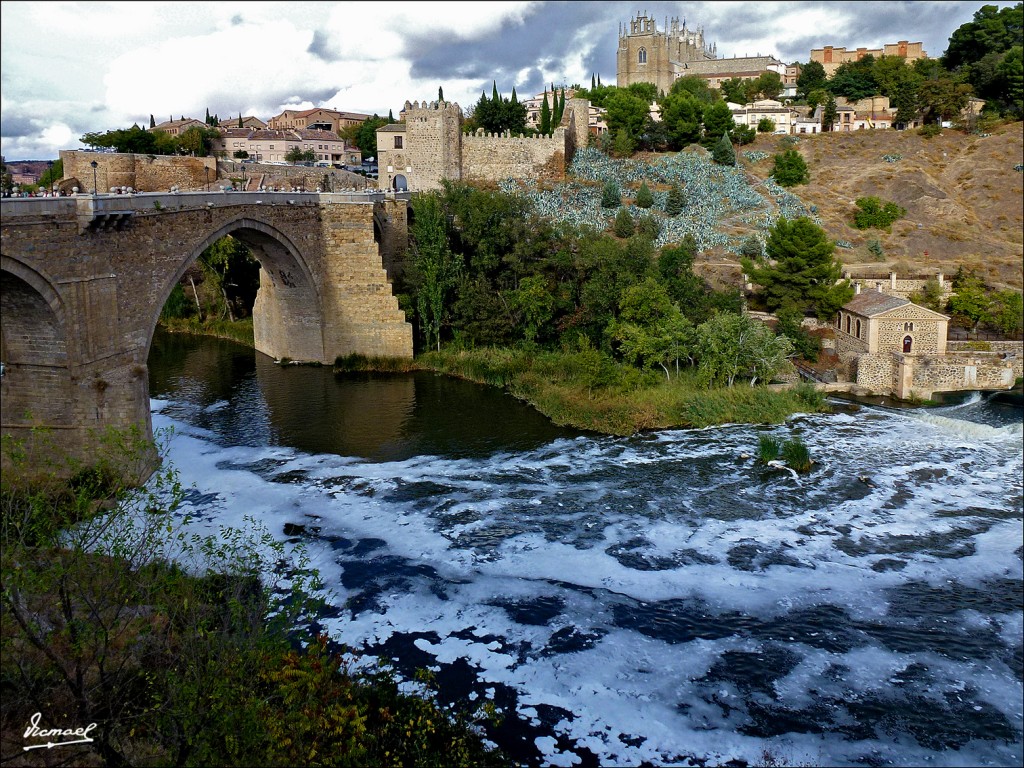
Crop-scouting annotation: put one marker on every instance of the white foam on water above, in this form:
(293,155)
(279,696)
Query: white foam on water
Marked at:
(600,542)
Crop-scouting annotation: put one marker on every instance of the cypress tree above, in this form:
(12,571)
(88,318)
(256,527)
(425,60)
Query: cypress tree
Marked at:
(514,99)
(593,82)
(391,117)
(599,80)
(723,153)
(152,121)
(240,120)
(545,116)
(208,116)
(440,93)
(494,92)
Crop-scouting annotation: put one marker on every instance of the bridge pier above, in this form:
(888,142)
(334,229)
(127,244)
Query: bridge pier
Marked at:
(80,303)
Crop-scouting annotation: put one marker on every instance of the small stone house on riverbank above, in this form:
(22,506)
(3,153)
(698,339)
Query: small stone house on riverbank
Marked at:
(889,345)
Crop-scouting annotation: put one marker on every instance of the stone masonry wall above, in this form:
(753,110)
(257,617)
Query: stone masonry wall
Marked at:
(433,143)
(491,157)
(145,173)
(963,371)
(929,337)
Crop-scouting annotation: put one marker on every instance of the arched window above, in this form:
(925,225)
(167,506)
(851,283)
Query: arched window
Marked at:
(641,56)
(858,329)
(908,343)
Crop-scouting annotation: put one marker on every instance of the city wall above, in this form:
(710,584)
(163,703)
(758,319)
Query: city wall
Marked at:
(144,173)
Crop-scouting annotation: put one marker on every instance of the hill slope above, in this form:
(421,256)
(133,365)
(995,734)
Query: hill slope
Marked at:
(962,195)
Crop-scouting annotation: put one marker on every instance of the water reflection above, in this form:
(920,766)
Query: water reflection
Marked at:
(247,399)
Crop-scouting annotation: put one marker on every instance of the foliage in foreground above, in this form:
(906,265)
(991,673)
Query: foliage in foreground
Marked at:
(184,650)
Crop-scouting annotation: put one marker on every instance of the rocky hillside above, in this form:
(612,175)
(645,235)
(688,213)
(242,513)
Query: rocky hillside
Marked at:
(963,196)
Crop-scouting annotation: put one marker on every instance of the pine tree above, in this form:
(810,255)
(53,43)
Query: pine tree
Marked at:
(610,195)
(545,116)
(624,225)
(675,202)
(828,118)
(723,153)
(152,121)
(644,198)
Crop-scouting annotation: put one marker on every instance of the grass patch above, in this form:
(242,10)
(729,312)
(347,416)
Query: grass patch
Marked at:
(588,390)
(238,330)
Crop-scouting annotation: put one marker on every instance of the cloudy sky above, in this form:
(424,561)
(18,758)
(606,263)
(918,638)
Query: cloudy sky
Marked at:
(69,68)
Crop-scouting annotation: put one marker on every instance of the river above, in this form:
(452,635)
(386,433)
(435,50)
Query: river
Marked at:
(654,598)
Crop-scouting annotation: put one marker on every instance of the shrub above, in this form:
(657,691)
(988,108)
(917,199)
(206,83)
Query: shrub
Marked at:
(624,225)
(765,125)
(723,153)
(744,134)
(649,227)
(872,212)
(930,130)
(790,169)
(675,202)
(644,198)
(610,195)
(875,249)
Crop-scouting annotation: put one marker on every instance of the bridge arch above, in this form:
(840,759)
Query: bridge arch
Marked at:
(288,314)
(34,349)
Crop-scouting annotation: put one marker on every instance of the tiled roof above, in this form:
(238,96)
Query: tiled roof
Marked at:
(311,134)
(871,303)
(392,127)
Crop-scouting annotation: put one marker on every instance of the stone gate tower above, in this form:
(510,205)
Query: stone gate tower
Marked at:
(646,55)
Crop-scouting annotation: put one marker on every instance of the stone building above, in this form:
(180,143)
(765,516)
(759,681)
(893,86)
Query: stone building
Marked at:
(888,345)
(272,146)
(178,127)
(751,114)
(646,55)
(831,58)
(318,118)
(430,146)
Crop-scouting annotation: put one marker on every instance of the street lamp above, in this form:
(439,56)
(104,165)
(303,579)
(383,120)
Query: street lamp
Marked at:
(95,188)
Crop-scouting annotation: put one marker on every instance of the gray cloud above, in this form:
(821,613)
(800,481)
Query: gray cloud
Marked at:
(18,125)
(322,47)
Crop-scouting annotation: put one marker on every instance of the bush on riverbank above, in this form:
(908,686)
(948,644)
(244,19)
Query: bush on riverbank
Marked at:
(183,650)
(235,330)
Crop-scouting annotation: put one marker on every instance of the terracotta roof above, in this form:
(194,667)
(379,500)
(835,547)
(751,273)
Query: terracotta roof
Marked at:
(871,303)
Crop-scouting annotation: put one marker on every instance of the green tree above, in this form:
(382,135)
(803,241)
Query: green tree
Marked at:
(52,175)
(197,140)
(723,153)
(624,225)
(829,114)
(769,84)
(970,300)
(992,30)
(800,269)
(627,113)
(650,330)
(675,202)
(812,78)
(872,212)
(697,87)
(855,80)
(734,89)
(682,115)
(365,135)
(765,125)
(611,197)
(790,169)
(534,303)
(644,198)
(816,97)
(732,346)
(435,269)
(790,325)
(152,121)
(930,296)
(545,116)
(1006,312)
(718,119)
(942,98)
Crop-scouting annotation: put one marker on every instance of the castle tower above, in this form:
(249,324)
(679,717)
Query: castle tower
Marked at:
(426,148)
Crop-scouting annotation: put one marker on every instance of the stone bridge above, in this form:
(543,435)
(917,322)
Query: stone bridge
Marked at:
(83,280)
